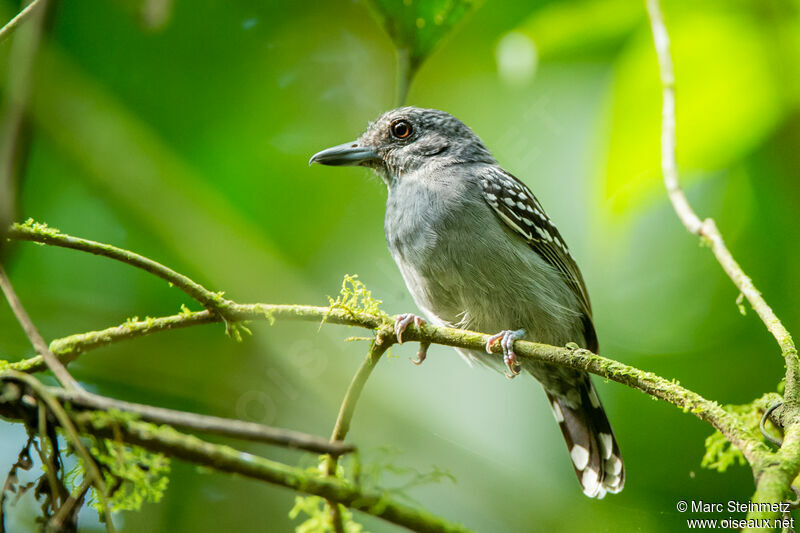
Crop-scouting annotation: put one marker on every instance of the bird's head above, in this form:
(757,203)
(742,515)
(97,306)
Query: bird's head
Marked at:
(406,139)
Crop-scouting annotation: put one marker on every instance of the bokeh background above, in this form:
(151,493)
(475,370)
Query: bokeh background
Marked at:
(185,136)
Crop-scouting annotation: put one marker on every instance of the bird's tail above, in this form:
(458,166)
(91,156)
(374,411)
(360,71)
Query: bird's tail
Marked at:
(590,441)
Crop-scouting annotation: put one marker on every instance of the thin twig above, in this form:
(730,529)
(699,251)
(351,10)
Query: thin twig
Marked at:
(227,427)
(58,369)
(68,506)
(776,472)
(46,455)
(706,228)
(346,411)
(22,16)
(31,231)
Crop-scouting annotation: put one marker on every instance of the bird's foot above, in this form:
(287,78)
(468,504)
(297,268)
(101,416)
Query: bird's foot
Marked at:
(507,338)
(400,325)
(402,322)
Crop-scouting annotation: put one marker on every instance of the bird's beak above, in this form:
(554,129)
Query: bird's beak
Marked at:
(347,154)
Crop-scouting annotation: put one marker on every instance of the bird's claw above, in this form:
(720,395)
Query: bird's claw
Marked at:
(402,322)
(422,353)
(507,338)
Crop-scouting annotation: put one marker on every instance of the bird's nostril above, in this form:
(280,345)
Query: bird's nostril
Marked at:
(354,145)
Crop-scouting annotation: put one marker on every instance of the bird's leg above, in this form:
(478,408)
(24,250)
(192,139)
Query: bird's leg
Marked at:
(507,338)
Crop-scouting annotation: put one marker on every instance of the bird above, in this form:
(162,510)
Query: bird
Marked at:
(477,251)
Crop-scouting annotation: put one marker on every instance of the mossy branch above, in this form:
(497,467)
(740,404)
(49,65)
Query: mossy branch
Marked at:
(68,348)
(226,427)
(348,408)
(775,472)
(43,234)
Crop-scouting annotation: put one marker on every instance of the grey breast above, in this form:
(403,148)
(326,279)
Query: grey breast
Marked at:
(464,267)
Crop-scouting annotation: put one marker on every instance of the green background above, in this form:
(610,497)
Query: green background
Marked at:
(189,144)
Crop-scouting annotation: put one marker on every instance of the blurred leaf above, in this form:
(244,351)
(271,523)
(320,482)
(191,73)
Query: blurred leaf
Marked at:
(417,26)
(727,100)
(571,28)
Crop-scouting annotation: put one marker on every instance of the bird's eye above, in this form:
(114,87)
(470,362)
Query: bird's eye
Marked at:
(401,129)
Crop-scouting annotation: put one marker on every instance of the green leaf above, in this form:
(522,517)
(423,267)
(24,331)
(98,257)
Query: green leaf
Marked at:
(416,27)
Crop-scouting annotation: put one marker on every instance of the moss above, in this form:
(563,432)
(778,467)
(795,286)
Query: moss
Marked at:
(746,418)
(237,330)
(354,298)
(720,454)
(316,512)
(219,297)
(134,474)
(138,476)
(269,314)
(740,304)
(38,228)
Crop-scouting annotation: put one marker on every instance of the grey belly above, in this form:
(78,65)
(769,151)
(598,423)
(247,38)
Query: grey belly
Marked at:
(488,281)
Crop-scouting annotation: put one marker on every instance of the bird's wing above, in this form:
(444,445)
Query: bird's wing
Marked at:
(516,205)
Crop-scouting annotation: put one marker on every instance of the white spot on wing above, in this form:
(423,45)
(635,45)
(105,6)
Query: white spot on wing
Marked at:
(544,233)
(514,225)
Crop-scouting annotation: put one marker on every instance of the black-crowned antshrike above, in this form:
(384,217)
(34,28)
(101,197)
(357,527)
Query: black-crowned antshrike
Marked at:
(477,251)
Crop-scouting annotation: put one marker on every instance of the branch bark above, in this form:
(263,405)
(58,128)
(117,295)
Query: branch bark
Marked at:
(52,362)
